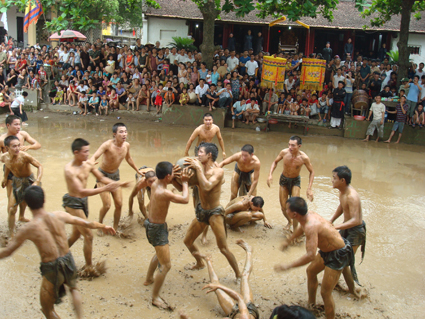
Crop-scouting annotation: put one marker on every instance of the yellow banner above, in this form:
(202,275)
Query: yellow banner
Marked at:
(313,74)
(273,75)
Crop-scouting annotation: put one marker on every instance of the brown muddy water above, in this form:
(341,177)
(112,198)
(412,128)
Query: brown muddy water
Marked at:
(389,178)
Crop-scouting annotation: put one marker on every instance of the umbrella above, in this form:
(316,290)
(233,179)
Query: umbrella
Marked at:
(68,35)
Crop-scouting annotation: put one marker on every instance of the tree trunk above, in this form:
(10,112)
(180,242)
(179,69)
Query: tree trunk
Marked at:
(209,13)
(403,59)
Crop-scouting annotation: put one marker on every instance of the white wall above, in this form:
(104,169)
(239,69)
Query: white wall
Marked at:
(162,30)
(12,24)
(415,39)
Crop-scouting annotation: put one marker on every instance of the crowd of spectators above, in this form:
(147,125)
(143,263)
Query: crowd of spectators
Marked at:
(101,78)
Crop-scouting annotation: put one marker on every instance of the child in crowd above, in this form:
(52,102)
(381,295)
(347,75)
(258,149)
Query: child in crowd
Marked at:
(158,99)
(82,102)
(113,100)
(103,105)
(169,97)
(130,102)
(59,95)
(281,103)
(94,104)
(184,97)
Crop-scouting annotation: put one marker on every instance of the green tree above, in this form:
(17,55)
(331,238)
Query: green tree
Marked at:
(82,15)
(384,10)
(293,10)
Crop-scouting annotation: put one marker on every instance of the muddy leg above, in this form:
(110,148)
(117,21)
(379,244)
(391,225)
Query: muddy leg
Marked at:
(246,291)
(316,266)
(76,301)
(12,212)
(47,299)
(163,255)
(330,279)
(151,270)
(283,197)
(117,197)
(195,229)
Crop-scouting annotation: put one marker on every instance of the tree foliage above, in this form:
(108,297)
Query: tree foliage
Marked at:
(83,15)
(182,43)
(384,10)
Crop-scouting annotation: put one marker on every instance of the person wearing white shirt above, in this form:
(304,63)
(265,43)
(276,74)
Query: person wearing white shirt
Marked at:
(252,110)
(289,83)
(419,72)
(201,96)
(232,62)
(251,66)
(378,111)
(17,107)
(338,77)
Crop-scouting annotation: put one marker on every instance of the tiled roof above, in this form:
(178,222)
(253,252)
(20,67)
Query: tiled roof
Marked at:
(345,17)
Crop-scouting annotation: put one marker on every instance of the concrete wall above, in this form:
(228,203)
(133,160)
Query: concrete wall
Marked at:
(415,39)
(162,30)
(191,115)
(12,23)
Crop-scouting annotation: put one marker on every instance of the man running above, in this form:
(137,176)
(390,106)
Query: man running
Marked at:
(19,164)
(247,165)
(205,133)
(114,151)
(75,201)
(235,305)
(207,206)
(245,209)
(156,227)
(353,228)
(47,232)
(334,255)
(290,179)
(144,182)
(13,126)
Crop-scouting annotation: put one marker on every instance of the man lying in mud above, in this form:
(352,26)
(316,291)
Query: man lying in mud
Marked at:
(47,232)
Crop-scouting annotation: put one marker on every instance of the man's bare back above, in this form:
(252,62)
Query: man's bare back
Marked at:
(159,203)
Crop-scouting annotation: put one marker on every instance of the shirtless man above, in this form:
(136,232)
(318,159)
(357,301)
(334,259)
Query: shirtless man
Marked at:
(114,151)
(353,228)
(13,125)
(205,133)
(207,207)
(235,305)
(246,165)
(290,179)
(143,182)
(245,209)
(19,163)
(156,227)
(334,255)
(75,201)
(47,232)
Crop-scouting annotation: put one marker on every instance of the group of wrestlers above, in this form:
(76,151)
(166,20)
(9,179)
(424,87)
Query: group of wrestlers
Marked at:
(205,176)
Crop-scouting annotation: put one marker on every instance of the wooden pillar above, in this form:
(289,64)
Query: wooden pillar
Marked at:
(311,43)
(267,40)
(307,43)
(225,35)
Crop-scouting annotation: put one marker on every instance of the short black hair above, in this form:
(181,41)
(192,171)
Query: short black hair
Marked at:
(163,169)
(9,139)
(248,148)
(34,197)
(24,94)
(208,115)
(78,144)
(343,172)
(210,148)
(116,126)
(11,118)
(258,201)
(298,205)
(296,138)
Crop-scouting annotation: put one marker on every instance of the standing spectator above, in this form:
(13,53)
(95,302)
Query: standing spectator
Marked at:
(348,48)
(230,44)
(348,92)
(242,61)
(327,52)
(247,41)
(412,98)
(375,85)
(337,109)
(232,62)
(17,107)
(378,111)
(401,111)
(251,67)
(364,72)
(420,72)
(338,77)
(382,53)
(259,44)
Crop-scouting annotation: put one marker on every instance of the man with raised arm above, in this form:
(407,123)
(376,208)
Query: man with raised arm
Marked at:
(114,151)
(47,232)
(334,255)
(156,227)
(290,179)
(19,164)
(353,228)
(207,206)
(205,133)
(13,126)
(75,201)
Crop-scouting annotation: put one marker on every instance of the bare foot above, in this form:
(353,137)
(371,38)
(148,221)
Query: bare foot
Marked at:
(360,293)
(365,140)
(204,240)
(197,266)
(183,315)
(244,245)
(387,141)
(288,226)
(396,142)
(160,303)
(198,254)
(23,219)
(148,282)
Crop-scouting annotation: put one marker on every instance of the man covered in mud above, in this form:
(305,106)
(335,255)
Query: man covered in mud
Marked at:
(114,151)
(334,255)
(207,205)
(235,305)
(144,180)
(47,232)
(353,228)
(19,164)
(156,227)
(290,179)
(246,174)
(75,201)
(13,126)
(205,133)
(243,210)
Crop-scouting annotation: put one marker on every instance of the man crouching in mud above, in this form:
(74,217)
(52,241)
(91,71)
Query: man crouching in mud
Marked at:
(334,255)
(47,232)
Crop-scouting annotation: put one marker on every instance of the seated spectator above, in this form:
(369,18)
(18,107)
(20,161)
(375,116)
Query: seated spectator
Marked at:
(212,97)
(238,110)
(304,109)
(103,105)
(184,97)
(93,104)
(82,103)
(252,111)
(201,91)
(130,102)
(225,96)
(270,102)
(323,106)
(386,92)
(169,98)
